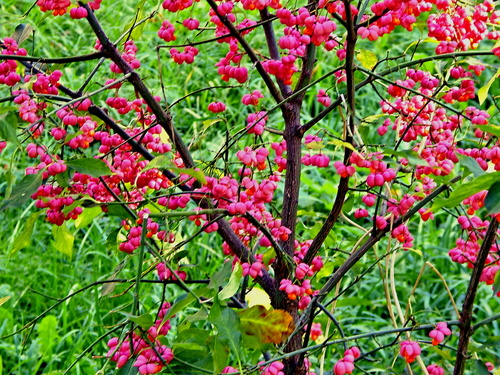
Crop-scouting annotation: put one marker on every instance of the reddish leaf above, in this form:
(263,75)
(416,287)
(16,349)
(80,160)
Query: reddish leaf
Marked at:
(270,326)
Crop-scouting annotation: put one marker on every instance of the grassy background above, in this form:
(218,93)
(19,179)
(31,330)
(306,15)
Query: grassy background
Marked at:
(37,276)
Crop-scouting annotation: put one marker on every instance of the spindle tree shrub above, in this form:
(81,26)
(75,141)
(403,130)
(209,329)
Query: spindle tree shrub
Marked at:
(279,92)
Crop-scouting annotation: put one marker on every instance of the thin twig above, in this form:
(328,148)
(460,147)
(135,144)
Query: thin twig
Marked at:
(466,314)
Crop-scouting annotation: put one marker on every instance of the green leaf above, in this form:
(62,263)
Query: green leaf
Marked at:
(269,254)
(470,164)
(326,270)
(366,132)
(138,30)
(219,278)
(496,283)
(8,127)
(47,334)
(348,204)
(24,239)
(491,129)
(72,206)
(159,162)
(354,301)
(191,346)
(144,321)
(23,191)
(227,323)
(198,175)
(89,166)
(63,240)
(482,93)
(466,190)
(445,354)
(87,216)
(63,179)
(112,240)
(220,354)
(367,58)
(187,299)
(491,341)
(200,315)
(164,162)
(193,351)
(492,200)
(9,179)
(128,369)
(8,108)
(1,365)
(233,285)
(481,368)
(120,211)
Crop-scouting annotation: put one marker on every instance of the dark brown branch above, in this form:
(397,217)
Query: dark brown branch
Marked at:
(466,330)
(307,68)
(308,125)
(293,140)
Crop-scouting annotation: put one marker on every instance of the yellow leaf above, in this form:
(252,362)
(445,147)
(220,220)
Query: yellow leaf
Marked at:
(210,122)
(337,142)
(367,58)
(317,145)
(3,300)
(482,93)
(164,136)
(257,296)
(269,326)
(63,240)
(416,251)
(373,118)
